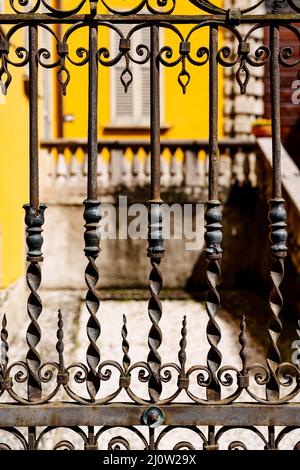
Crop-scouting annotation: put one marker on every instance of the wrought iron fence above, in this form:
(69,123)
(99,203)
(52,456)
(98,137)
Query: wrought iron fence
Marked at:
(30,389)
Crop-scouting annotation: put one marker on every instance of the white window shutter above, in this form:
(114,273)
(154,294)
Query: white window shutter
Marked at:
(145,94)
(131,108)
(122,105)
(145,80)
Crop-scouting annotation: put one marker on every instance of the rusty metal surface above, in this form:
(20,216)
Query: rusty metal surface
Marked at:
(124,414)
(212,388)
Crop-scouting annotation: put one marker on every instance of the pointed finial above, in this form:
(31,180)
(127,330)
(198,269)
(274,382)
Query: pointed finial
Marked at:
(125,345)
(125,378)
(62,376)
(183,380)
(243,343)
(4,343)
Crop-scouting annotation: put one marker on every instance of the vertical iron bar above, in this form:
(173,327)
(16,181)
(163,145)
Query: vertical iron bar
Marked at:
(211,439)
(152,439)
(92,217)
(271,438)
(93,114)
(33,118)
(155,115)
(31,438)
(275,110)
(155,235)
(91,444)
(59,96)
(213,236)
(277,218)
(213,116)
(34,219)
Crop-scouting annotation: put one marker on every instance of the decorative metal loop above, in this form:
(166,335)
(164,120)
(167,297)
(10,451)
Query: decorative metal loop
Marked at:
(164,7)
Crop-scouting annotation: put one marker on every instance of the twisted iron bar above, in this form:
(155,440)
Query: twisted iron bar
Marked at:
(34,221)
(4,344)
(92,216)
(243,343)
(183,380)
(278,238)
(213,251)
(125,346)
(155,334)
(125,377)
(155,252)
(182,345)
(60,343)
(5,382)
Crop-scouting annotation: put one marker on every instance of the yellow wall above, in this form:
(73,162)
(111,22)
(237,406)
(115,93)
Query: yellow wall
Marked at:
(14,173)
(185,115)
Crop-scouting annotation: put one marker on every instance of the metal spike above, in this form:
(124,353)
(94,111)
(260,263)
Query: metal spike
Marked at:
(243,343)
(125,346)
(182,344)
(60,344)
(4,345)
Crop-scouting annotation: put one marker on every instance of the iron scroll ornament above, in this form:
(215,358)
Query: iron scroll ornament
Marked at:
(131,437)
(162,7)
(59,375)
(239,56)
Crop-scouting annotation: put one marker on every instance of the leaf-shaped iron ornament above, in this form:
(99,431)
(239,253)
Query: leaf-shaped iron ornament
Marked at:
(5,76)
(184,78)
(243,74)
(126,78)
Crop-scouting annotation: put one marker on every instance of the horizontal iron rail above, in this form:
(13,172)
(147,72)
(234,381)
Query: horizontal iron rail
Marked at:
(151,18)
(124,414)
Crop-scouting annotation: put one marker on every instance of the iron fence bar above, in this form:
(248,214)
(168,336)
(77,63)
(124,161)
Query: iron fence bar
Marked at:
(93,113)
(155,240)
(275,109)
(213,235)
(151,439)
(277,217)
(213,115)
(34,219)
(155,115)
(92,216)
(91,444)
(211,442)
(31,437)
(271,438)
(33,118)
